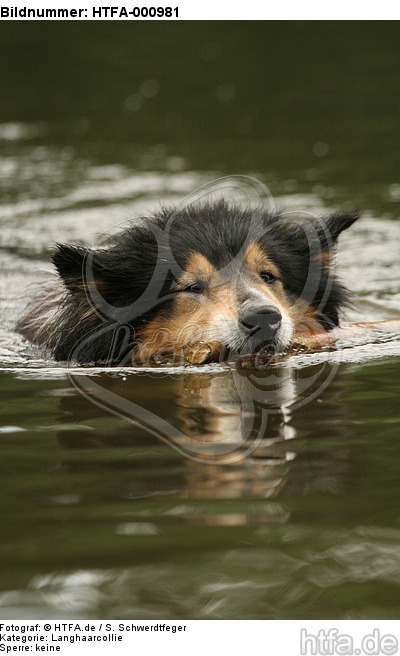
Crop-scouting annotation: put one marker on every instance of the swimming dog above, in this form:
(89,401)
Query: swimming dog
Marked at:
(204,281)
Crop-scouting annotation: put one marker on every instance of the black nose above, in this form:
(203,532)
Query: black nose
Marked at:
(264,319)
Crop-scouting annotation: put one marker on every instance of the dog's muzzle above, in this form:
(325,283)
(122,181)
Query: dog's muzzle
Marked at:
(260,324)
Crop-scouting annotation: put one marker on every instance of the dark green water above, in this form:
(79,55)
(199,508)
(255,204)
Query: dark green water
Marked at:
(100,518)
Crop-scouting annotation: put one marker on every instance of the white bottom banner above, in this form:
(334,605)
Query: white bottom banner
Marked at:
(286,637)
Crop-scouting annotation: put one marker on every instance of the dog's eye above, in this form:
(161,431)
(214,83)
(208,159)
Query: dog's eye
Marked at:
(267,276)
(195,288)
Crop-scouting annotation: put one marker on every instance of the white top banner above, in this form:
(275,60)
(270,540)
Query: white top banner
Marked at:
(172,10)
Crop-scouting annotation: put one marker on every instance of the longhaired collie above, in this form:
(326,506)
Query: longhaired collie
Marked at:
(193,285)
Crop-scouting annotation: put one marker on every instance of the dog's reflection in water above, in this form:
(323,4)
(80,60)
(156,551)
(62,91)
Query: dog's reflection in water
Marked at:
(235,434)
(233,426)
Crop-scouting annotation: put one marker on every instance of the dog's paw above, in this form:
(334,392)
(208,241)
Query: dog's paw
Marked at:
(201,352)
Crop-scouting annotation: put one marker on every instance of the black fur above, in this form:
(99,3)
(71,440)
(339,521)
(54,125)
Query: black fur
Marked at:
(109,293)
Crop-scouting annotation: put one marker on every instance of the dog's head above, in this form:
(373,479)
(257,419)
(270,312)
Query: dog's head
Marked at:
(244,278)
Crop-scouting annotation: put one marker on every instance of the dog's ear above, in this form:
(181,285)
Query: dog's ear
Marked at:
(336,223)
(78,266)
(69,261)
(328,228)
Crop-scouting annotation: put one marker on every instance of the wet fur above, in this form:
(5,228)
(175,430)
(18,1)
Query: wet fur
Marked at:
(106,304)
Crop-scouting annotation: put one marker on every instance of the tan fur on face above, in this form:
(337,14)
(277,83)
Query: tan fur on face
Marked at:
(256,260)
(305,321)
(214,314)
(302,314)
(191,316)
(197,268)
